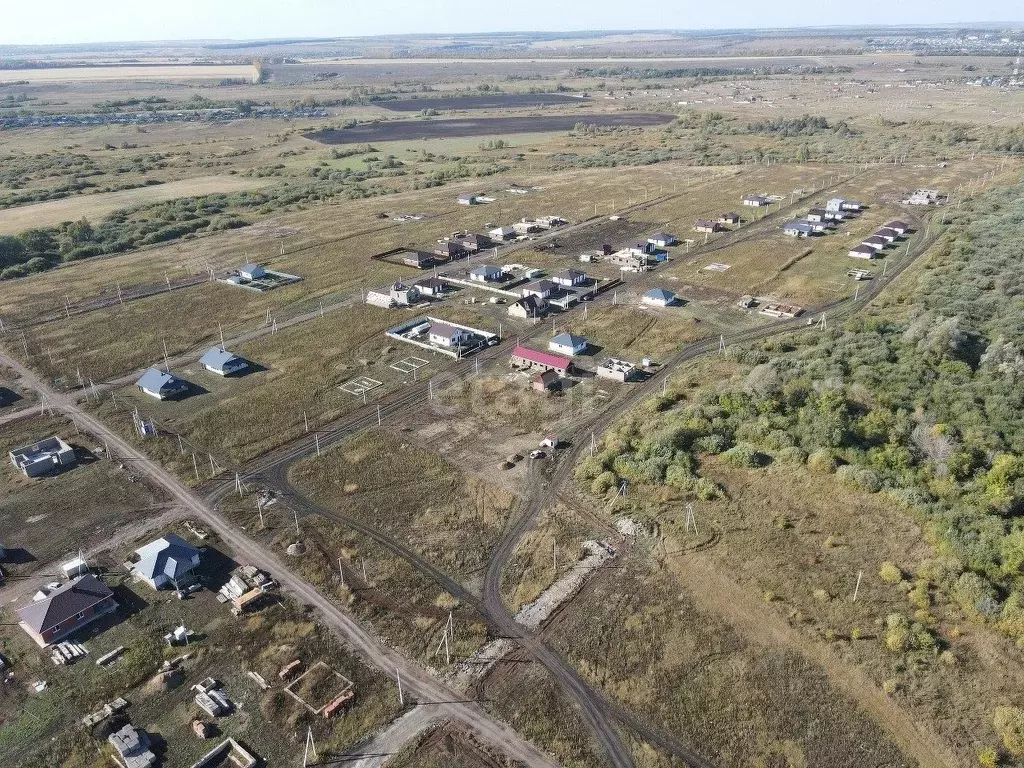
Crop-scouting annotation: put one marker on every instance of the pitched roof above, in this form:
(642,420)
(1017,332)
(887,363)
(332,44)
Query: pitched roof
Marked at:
(443,329)
(486,269)
(660,294)
(897,225)
(887,232)
(544,358)
(862,249)
(662,237)
(799,226)
(433,283)
(568,340)
(63,603)
(155,380)
(169,555)
(570,274)
(540,285)
(250,268)
(218,358)
(874,239)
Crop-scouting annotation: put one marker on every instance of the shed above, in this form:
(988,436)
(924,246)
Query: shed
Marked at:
(545,381)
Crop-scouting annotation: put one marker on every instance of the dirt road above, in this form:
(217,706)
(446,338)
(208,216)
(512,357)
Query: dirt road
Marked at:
(418,684)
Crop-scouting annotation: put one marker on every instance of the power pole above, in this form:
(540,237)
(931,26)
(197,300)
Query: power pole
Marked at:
(856,589)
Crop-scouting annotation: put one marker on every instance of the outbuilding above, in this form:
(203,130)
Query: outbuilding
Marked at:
(545,381)
(223,363)
(568,344)
(160,384)
(530,359)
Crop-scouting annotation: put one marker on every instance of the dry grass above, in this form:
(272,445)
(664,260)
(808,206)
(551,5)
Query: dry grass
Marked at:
(135,74)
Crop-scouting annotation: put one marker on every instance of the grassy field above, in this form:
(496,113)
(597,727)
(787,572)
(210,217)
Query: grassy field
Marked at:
(97,206)
(225,647)
(45,519)
(106,74)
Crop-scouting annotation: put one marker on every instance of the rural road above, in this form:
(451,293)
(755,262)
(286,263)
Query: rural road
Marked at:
(442,700)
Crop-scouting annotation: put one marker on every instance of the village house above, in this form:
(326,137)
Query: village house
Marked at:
(404,295)
(66,609)
(889,235)
(528,359)
(42,457)
(527,307)
(835,204)
(876,242)
(899,227)
(706,225)
(662,239)
(729,218)
(502,234)
(526,227)
(223,363)
(628,258)
(445,335)
(797,228)
(816,214)
(419,259)
(160,384)
(251,271)
(542,289)
(433,287)
(756,201)
(473,243)
(486,273)
(450,250)
(567,344)
(569,278)
(168,561)
(863,252)
(658,297)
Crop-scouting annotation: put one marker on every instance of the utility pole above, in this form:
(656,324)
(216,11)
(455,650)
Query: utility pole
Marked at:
(856,589)
(305,420)
(295,512)
(401,698)
(379,421)
(316,438)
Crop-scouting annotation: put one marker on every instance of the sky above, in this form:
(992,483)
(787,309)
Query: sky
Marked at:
(23,22)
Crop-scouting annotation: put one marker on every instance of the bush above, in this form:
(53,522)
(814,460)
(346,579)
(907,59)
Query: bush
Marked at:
(707,490)
(791,456)
(890,573)
(603,483)
(822,461)
(710,444)
(975,595)
(988,758)
(897,636)
(744,455)
(1009,724)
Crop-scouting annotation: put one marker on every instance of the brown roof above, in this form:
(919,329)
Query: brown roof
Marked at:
(63,603)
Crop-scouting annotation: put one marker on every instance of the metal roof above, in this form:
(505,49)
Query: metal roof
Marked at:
(170,555)
(63,603)
(660,294)
(156,380)
(543,358)
(218,358)
(799,226)
(443,329)
(486,269)
(568,340)
(662,236)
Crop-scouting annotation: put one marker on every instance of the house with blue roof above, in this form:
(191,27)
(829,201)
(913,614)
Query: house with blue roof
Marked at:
(161,385)
(568,344)
(658,297)
(168,561)
(223,363)
(797,228)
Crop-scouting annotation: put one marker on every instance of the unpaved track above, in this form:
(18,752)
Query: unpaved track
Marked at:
(760,624)
(417,683)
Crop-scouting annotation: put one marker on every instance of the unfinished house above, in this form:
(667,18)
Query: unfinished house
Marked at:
(45,456)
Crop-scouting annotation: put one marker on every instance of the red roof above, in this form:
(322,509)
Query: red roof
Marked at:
(543,358)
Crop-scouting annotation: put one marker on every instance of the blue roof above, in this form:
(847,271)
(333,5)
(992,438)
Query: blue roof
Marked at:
(568,340)
(170,555)
(800,226)
(155,380)
(218,358)
(660,294)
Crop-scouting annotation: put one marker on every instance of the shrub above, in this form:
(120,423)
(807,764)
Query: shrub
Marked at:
(1009,724)
(897,636)
(890,573)
(706,490)
(710,444)
(791,456)
(988,758)
(822,461)
(603,483)
(744,455)
(975,595)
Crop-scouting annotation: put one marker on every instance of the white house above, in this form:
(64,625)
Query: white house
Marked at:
(403,294)
(445,335)
(567,344)
(863,252)
(798,228)
(570,277)
(658,297)
(756,201)
(617,370)
(527,307)
(835,204)
(222,362)
(251,272)
(542,289)
(502,233)
(898,227)
(161,385)
(662,239)
(486,273)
